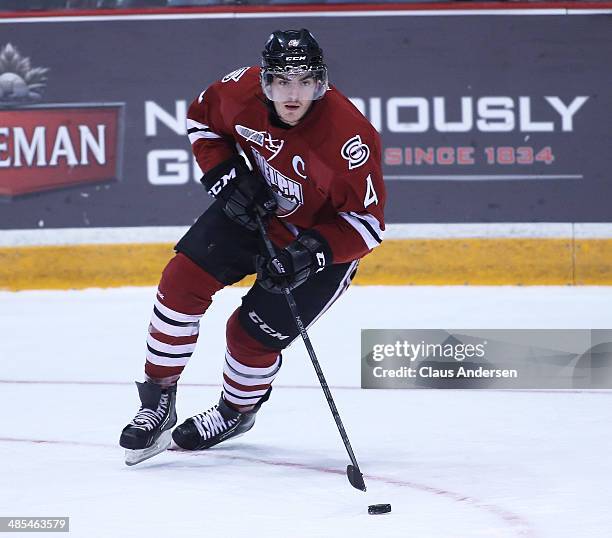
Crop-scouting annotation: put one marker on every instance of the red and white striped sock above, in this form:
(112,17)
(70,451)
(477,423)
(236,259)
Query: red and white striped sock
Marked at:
(184,294)
(249,369)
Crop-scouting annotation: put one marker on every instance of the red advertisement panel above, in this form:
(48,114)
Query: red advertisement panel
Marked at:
(49,147)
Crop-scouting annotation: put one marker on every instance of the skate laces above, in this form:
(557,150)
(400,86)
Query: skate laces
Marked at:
(212,423)
(147,419)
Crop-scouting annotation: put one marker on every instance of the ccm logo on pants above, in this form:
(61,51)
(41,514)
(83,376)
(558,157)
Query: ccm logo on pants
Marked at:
(265,327)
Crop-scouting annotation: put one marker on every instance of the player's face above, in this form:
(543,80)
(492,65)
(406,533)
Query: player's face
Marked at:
(292,96)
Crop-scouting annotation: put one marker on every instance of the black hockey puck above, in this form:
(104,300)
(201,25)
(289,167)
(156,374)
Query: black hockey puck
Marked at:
(374,509)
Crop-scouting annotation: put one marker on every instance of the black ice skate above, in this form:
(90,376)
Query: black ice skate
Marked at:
(149,432)
(218,424)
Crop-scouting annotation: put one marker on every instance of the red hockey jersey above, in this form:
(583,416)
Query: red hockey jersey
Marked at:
(325,172)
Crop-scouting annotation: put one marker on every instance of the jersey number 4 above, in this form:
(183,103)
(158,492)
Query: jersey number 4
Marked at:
(370,196)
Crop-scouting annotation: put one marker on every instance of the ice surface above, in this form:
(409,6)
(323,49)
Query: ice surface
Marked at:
(453,464)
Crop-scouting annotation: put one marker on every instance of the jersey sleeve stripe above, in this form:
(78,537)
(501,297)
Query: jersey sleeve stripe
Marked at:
(198,130)
(371,223)
(370,231)
(193,124)
(199,135)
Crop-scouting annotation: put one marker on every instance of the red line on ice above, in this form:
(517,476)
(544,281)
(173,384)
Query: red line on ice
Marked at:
(520,524)
(335,387)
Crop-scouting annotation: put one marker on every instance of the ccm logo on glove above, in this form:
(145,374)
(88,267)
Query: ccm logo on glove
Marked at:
(244,193)
(219,185)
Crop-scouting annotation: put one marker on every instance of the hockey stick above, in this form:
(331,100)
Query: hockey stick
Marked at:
(352,471)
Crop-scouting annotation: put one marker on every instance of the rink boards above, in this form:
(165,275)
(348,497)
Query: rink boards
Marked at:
(498,128)
(478,254)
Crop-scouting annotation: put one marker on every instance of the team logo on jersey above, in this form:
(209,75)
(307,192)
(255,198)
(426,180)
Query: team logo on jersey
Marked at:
(355,152)
(288,193)
(299,166)
(262,138)
(235,75)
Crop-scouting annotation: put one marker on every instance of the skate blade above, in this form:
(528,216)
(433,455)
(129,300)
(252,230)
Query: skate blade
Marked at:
(132,457)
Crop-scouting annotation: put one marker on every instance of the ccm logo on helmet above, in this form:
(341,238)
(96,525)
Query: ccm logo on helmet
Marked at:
(295,58)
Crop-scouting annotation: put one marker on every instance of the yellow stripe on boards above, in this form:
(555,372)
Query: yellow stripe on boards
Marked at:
(470,261)
(82,266)
(491,261)
(593,261)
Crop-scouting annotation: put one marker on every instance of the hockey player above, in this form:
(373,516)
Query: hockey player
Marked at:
(313,172)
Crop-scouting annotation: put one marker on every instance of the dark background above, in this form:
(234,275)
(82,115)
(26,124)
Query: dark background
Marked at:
(134,61)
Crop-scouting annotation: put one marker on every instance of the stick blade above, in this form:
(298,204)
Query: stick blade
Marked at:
(355,477)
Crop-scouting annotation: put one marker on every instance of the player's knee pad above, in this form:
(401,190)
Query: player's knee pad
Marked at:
(250,351)
(186,287)
(269,330)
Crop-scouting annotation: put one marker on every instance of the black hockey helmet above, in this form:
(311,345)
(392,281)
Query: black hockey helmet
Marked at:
(291,48)
(291,53)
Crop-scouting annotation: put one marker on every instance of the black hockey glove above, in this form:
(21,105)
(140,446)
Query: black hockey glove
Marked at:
(308,254)
(243,192)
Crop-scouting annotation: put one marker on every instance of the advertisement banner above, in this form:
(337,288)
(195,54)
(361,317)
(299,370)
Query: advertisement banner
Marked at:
(481,120)
(50,147)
